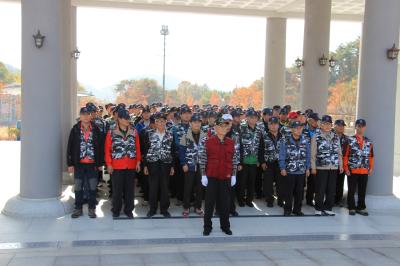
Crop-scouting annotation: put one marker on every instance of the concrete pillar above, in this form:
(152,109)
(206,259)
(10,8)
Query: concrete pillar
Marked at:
(74,81)
(377,88)
(315,78)
(46,83)
(275,59)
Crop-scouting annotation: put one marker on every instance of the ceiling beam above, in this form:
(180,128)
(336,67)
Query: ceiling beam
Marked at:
(203,9)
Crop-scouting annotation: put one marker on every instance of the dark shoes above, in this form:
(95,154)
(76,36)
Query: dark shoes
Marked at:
(249,204)
(166,214)
(352,212)
(206,232)
(115,214)
(150,214)
(129,215)
(76,213)
(287,213)
(363,212)
(299,213)
(92,213)
(235,214)
(227,231)
(270,204)
(241,204)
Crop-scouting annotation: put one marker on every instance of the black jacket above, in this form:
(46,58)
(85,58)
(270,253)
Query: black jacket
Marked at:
(74,145)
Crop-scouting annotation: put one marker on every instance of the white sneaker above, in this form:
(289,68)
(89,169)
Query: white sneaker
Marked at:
(330,213)
(318,213)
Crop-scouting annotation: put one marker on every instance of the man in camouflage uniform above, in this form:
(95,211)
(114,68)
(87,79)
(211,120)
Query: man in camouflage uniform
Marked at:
(358,164)
(84,158)
(177,184)
(311,128)
(339,130)
(158,151)
(189,158)
(294,162)
(250,140)
(326,162)
(123,156)
(269,162)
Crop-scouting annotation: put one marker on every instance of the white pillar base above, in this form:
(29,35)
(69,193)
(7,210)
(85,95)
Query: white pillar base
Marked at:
(19,207)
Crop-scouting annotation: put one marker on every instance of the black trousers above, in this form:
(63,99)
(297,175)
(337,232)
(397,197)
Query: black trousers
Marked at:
(258,183)
(272,175)
(158,185)
(123,190)
(85,176)
(193,186)
(293,188)
(246,183)
(310,189)
(339,188)
(325,187)
(359,182)
(217,193)
(177,182)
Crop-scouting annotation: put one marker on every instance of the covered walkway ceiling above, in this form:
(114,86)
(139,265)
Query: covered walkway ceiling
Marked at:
(341,9)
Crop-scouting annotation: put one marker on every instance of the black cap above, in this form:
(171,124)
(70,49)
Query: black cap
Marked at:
(212,114)
(146,109)
(251,112)
(267,111)
(123,114)
(314,116)
(361,122)
(300,113)
(273,120)
(235,113)
(340,122)
(326,119)
(276,107)
(284,111)
(160,115)
(196,117)
(309,111)
(84,110)
(132,106)
(185,109)
(295,124)
(288,107)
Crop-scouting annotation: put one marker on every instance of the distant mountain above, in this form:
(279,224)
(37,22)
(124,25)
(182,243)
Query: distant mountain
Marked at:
(12,69)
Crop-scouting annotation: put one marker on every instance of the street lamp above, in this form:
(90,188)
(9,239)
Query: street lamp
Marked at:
(164,31)
(39,39)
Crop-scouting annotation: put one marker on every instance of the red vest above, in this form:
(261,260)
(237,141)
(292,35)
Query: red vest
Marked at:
(219,157)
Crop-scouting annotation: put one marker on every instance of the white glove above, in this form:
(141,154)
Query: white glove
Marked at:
(204,180)
(233,180)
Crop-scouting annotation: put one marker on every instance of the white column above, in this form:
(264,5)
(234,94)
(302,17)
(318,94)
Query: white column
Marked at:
(74,82)
(377,88)
(315,78)
(275,57)
(45,95)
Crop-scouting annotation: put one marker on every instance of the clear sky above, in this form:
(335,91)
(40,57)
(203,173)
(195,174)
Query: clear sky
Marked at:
(221,51)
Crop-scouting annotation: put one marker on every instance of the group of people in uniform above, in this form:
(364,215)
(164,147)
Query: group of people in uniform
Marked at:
(224,155)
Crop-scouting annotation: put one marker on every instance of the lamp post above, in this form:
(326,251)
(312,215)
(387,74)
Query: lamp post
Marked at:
(164,31)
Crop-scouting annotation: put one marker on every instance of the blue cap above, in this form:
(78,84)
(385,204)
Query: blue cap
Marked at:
(340,122)
(314,116)
(196,117)
(295,124)
(84,110)
(273,120)
(267,111)
(361,122)
(251,112)
(326,119)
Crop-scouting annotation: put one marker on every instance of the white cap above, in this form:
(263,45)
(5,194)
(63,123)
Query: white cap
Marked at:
(227,117)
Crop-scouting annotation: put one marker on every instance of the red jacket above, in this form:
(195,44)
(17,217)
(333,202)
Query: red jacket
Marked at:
(125,162)
(219,158)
